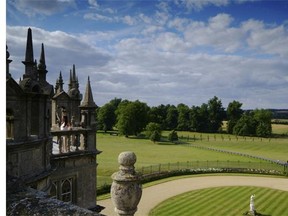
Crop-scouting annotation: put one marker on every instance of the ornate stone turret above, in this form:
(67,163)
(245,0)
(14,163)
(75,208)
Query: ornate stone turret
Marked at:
(29,63)
(88,115)
(8,61)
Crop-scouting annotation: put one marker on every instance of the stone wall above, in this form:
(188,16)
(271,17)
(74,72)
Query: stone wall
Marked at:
(81,168)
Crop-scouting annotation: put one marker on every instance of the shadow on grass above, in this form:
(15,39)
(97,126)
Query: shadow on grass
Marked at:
(256,214)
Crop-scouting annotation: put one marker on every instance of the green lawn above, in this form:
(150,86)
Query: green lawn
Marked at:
(224,201)
(149,153)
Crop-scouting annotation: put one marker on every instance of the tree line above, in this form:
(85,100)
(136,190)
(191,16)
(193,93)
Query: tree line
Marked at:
(132,118)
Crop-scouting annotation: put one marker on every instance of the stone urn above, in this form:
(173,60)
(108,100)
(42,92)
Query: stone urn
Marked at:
(126,190)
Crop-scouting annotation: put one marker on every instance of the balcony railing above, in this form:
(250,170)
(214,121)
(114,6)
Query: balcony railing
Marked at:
(71,140)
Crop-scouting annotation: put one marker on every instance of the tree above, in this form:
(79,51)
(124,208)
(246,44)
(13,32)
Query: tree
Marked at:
(234,113)
(155,136)
(183,117)
(246,125)
(263,119)
(151,128)
(132,117)
(216,114)
(173,136)
(106,117)
(171,117)
(199,118)
(158,115)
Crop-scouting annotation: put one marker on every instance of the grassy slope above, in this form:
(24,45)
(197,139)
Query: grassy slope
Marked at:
(149,153)
(224,201)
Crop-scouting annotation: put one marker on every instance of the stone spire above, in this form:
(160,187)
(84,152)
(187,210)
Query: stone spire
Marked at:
(88,97)
(73,81)
(59,84)
(29,57)
(42,65)
(8,61)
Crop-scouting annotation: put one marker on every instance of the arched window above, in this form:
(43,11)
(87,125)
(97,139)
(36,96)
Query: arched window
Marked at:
(66,186)
(54,190)
(9,124)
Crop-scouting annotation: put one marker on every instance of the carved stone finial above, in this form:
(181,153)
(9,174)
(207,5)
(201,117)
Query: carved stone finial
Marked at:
(126,190)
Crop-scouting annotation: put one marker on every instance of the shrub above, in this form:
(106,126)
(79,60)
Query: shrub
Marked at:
(173,136)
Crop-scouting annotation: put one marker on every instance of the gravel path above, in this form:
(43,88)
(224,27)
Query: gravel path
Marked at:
(153,195)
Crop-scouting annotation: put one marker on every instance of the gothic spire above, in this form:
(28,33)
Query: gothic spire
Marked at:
(42,65)
(29,57)
(59,84)
(74,73)
(8,61)
(70,81)
(88,97)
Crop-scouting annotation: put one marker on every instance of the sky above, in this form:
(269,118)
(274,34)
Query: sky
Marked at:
(160,51)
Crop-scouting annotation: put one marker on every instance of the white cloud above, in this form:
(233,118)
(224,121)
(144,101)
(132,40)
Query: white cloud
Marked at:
(167,60)
(98,17)
(217,33)
(93,3)
(129,20)
(32,7)
(200,4)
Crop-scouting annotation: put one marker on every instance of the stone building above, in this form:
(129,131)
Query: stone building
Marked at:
(43,155)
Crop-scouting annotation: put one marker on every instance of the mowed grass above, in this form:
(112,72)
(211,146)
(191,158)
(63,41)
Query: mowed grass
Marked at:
(272,148)
(149,153)
(224,201)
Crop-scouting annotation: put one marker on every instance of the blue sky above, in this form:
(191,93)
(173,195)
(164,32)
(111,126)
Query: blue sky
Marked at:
(160,52)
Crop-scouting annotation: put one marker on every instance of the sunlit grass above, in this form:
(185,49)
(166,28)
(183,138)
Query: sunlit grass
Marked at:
(149,153)
(224,201)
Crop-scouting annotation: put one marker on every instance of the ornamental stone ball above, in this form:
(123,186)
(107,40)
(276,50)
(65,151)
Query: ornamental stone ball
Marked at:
(127,158)
(126,190)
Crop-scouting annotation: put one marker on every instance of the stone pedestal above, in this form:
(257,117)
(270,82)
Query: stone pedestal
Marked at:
(126,190)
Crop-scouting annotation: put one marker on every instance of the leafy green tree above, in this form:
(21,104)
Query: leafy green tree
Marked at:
(183,117)
(158,115)
(115,102)
(132,117)
(263,118)
(199,118)
(246,125)
(155,136)
(234,113)
(151,127)
(106,117)
(173,136)
(216,114)
(171,117)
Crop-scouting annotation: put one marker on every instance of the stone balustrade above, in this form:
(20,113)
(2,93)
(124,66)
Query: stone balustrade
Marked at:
(65,141)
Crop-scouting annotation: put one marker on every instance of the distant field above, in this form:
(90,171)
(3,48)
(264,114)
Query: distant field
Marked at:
(281,129)
(149,153)
(224,201)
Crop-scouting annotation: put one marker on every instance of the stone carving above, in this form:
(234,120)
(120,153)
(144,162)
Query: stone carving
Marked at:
(126,190)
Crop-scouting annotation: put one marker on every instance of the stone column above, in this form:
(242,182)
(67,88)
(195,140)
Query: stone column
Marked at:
(126,190)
